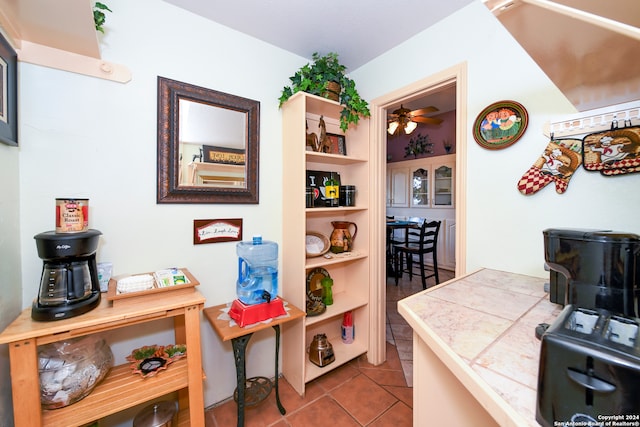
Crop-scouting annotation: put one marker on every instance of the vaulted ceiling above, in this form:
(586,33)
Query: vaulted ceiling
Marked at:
(358,30)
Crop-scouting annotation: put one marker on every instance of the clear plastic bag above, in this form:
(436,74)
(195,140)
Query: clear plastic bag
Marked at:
(69,370)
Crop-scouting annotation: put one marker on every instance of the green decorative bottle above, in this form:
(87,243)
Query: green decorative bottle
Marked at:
(327,292)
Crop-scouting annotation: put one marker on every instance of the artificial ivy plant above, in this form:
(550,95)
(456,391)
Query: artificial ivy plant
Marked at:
(315,78)
(99,17)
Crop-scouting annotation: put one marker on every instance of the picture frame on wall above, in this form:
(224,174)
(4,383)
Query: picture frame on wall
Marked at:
(217,230)
(8,93)
(338,144)
(500,125)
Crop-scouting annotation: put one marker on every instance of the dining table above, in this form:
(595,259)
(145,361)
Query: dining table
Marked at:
(392,226)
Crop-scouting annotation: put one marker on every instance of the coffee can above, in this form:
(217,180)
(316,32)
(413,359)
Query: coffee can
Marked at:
(309,197)
(347,195)
(72,215)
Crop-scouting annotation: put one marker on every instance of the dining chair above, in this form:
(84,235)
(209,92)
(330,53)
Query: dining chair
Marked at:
(427,242)
(392,237)
(412,235)
(391,241)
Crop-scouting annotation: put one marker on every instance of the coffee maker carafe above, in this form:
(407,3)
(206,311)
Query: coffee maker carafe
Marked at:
(69,283)
(596,269)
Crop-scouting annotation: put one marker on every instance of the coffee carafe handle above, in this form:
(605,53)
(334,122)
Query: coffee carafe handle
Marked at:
(75,281)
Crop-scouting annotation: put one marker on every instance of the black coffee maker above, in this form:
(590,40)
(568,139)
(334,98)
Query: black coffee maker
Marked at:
(590,355)
(69,283)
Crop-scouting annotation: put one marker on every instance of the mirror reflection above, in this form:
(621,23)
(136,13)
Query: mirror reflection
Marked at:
(211,146)
(208,145)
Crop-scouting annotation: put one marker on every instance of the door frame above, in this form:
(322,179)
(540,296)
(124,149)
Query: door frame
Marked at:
(378,129)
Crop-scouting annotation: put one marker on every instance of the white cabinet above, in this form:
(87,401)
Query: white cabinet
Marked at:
(351,271)
(447,256)
(431,183)
(424,188)
(422,183)
(443,174)
(398,187)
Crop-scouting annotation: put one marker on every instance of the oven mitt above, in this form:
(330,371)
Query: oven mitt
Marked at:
(612,152)
(557,164)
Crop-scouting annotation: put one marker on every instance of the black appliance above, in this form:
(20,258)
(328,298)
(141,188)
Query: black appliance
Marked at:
(598,269)
(589,369)
(69,283)
(590,355)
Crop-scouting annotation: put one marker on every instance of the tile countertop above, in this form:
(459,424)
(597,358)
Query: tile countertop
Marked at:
(482,327)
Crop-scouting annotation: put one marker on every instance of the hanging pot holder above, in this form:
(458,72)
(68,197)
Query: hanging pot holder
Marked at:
(556,164)
(612,152)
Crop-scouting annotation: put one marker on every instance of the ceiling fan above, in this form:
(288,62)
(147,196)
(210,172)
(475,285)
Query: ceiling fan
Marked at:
(407,120)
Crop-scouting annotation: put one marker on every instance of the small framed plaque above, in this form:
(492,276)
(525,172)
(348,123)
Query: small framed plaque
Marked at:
(216,230)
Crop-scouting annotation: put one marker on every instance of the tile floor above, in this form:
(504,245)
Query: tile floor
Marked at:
(355,394)
(399,333)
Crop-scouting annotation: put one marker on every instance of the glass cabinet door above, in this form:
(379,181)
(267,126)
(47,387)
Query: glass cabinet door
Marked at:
(443,186)
(420,187)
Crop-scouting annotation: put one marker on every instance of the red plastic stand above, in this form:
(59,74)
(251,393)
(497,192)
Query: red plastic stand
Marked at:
(245,314)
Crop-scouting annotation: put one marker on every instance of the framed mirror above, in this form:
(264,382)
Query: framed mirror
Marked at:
(208,145)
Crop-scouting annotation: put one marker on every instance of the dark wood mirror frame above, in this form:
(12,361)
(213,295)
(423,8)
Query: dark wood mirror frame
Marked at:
(169,189)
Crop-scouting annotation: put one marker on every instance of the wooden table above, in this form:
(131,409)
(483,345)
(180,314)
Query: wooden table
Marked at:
(240,338)
(121,388)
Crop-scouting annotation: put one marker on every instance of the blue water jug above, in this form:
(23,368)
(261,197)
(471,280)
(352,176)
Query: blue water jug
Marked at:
(257,271)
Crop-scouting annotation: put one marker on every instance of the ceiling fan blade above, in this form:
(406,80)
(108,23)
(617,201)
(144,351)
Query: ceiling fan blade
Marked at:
(422,111)
(427,120)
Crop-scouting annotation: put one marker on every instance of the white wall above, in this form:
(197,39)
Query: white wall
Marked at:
(10,285)
(504,228)
(82,136)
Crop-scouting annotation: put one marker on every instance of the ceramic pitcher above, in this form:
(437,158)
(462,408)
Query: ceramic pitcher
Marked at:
(341,237)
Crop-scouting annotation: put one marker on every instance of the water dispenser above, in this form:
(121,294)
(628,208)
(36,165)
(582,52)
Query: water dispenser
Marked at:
(257,284)
(257,271)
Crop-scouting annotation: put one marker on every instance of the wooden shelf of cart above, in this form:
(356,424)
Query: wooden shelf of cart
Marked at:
(121,389)
(351,272)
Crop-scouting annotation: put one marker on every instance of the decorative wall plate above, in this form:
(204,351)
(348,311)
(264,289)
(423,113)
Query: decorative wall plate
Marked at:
(315,306)
(500,125)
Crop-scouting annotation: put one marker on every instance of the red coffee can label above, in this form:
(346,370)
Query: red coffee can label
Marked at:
(72,215)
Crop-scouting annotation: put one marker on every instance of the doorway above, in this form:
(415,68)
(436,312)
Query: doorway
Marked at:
(420,165)
(456,75)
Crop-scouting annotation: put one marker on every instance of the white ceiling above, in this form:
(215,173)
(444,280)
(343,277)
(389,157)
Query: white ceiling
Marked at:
(358,30)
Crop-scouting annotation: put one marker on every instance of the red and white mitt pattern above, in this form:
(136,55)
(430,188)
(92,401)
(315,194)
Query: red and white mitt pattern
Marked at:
(557,164)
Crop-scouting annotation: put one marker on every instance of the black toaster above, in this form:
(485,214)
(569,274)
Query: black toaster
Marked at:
(589,371)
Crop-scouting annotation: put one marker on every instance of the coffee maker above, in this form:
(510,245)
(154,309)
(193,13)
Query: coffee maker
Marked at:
(590,355)
(69,283)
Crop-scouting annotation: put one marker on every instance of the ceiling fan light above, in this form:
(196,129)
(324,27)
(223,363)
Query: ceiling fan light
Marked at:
(392,128)
(411,126)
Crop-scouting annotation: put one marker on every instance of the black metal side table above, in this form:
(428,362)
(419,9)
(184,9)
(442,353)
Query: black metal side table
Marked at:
(255,389)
